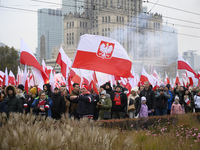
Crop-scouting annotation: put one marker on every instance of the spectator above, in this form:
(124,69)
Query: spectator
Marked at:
(59,105)
(197,102)
(109,90)
(67,107)
(119,103)
(134,99)
(47,89)
(20,86)
(104,106)
(194,91)
(30,98)
(14,104)
(20,95)
(169,101)
(180,92)
(85,103)
(162,97)
(3,107)
(144,111)
(188,102)
(176,107)
(74,106)
(148,93)
(41,106)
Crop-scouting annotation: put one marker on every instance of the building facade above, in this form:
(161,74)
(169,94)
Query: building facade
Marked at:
(49,26)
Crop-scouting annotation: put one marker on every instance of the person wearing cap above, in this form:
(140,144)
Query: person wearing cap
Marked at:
(176,107)
(119,104)
(134,99)
(144,111)
(59,105)
(14,104)
(169,101)
(104,106)
(150,97)
(161,101)
(85,102)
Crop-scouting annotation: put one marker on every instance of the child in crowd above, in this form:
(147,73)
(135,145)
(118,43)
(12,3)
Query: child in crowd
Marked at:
(176,107)
(144,108)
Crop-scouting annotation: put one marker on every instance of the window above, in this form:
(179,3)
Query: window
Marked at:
(80,24)
(102,19)
(117,18)
(96,17)
(123,19)
(97,33)
(105,34)
(83,24)
(80,34)
(70,34)
(73,34)
(72,24)
(67,24)
(102,30)
(96,21)
(105,19)
(94,33)
(108,29)
(105,29)
(108,18)
(102,34)
(86,24)
(97,25)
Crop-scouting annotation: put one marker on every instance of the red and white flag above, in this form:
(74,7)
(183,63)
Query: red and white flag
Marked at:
(19,76)
(167,81)
(102,54)
(51,81)
(11,78)
(182,64)
(25,79)
(44,68)
(145,77)
(177,79)
(64,62)
(5,79)
(187,101)
(1,78)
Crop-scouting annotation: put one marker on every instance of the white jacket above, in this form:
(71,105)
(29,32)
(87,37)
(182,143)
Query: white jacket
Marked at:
(197,101)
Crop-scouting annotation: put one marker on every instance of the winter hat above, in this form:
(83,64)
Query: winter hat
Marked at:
(162,85)
(21,87)
(168,86)
(119,86)
(33,90)
(103,92)
(85,86)
(176,97)
(143,99)
(134,89)
(56,88)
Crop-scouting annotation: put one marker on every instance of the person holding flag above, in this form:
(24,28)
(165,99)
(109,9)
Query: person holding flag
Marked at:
(188,102)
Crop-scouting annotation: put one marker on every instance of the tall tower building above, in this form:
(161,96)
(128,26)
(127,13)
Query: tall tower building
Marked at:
(50,26)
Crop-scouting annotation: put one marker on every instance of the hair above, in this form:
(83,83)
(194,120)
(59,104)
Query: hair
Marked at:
(63,86)
(146,82)
(75,84)
(40,92)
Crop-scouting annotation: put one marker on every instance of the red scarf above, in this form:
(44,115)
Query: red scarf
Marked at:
(117,99)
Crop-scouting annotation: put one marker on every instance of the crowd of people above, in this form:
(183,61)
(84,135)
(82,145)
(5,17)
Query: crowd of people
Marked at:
(111,103)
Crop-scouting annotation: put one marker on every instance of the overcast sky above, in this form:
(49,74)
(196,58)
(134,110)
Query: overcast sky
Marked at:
(16,24)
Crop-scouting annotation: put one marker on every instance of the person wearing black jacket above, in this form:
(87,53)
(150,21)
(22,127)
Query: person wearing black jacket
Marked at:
(150,97)
(162,97)
(119,103)
(47,89)
(85,103)
(59,105)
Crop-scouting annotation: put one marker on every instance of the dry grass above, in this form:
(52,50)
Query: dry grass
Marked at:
(28,132)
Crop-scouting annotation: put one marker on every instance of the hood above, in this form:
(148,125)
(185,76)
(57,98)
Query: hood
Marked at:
(20,95)
(108,83)
(10,87)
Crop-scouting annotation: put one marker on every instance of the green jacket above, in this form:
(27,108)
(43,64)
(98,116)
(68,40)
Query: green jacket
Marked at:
(14,104)
(106,107)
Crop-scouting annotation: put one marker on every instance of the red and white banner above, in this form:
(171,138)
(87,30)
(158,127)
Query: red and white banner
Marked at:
(102,54)
(5,79)
(25,80)
(187,101)
(177,79)
(11,78)
(145,77)
(166,79)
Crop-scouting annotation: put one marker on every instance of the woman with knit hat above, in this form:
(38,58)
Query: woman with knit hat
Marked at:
(133,99)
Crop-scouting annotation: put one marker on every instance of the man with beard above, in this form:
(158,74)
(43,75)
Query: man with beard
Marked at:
(47,89)
(119,103)
(59,104)
(14,104)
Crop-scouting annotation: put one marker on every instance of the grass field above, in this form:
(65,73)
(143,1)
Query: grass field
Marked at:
(27,132)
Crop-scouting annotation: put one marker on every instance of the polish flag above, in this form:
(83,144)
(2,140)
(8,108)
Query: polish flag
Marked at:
(25,79)
(191,77)
(145,77)
(27,57)
(187,101)
(94,82)
(64,62)
(31,80)
(38,78)
(51,81)
(102,54)
(1,75)
(166,79)
(11,78)
(19,76)
(177,78)
(5,80)
(77,77)
(182,64)
(44,68)
(49,69)
(86,74)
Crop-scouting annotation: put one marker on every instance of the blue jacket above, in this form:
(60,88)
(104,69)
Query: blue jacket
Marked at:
(50,103)
(169,101)
(3,107)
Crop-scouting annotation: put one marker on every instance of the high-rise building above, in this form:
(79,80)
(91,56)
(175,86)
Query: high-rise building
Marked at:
(73,6)
(49,25)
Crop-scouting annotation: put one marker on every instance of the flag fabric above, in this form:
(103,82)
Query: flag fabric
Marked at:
(187,101)
(145,77)
(19,76)
(11,78)
(102,54)
(182,64)
(51,81)
(177,79)
(5,80)
(166,79)
(44,68)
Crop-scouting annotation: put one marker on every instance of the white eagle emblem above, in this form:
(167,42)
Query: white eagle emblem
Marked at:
(105,50)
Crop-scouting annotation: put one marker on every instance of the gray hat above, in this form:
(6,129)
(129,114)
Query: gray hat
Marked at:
(103,92)
(176,97)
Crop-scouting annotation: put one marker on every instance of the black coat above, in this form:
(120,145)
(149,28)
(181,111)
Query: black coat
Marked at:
(120,108)
(150,96)
(162,100)
(3,107)
(58,107)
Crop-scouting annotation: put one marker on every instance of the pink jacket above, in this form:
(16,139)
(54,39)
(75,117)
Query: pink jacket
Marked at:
(176,109)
